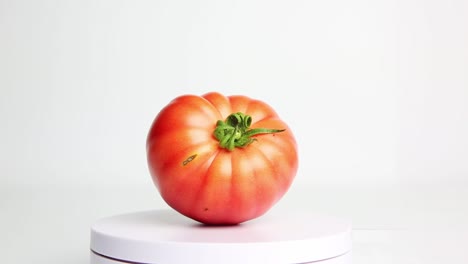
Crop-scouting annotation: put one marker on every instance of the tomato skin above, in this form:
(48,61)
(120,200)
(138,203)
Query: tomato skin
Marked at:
(210,184)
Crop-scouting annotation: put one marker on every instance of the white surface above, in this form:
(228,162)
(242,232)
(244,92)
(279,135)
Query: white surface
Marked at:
(164,236)
(419,224)
(343,259)
(375,91)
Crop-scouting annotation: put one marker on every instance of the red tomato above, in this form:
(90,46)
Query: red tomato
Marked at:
(221,160)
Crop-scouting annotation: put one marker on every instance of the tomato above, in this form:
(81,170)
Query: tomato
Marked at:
(221,160)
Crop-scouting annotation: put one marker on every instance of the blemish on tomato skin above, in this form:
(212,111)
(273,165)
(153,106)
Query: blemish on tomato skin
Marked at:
(206,209)
(189,159)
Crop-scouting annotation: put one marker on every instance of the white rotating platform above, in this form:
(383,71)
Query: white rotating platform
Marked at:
(166,237)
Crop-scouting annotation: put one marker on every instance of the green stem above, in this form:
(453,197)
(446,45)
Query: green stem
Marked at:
(236,132)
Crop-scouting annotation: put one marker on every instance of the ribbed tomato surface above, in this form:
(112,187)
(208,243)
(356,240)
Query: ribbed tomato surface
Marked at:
(204,174)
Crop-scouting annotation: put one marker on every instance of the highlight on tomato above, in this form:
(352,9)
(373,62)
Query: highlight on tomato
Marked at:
(221,160)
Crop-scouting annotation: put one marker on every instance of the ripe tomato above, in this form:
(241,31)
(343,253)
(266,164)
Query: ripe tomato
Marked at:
(221,160)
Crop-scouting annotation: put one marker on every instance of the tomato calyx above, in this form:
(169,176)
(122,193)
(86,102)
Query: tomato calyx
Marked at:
(235,131)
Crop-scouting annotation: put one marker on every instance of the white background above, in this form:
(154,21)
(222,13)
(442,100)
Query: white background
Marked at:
(376,93)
